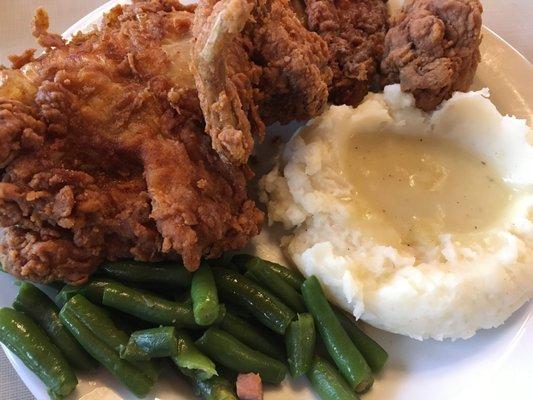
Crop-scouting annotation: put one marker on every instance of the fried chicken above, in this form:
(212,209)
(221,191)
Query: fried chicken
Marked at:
(354,31)
(432,49)
(104,153)
(255,63)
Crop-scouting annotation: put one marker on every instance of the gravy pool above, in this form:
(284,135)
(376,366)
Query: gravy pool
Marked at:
(410,189)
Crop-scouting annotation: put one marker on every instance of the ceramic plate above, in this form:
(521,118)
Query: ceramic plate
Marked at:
(494,364)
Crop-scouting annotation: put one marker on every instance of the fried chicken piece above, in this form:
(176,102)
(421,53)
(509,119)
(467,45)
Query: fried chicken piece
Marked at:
(255,63)
(225,77)
(105,155)
(432,49)
(62,222)
(295,73)
(354,31)
(66,210)
(20,129)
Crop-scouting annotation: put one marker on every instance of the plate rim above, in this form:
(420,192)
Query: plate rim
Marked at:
(33,383)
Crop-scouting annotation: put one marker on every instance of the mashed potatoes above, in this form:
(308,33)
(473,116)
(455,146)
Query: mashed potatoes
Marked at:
(418,223)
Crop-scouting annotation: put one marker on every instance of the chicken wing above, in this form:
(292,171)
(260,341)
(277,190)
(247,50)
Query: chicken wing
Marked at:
(255,63)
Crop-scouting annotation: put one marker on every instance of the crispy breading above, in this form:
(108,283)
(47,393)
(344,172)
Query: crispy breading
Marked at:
(354,31)
(105,154)
(432,49)
(255,63)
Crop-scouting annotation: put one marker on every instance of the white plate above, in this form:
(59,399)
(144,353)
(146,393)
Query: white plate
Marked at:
(494,364)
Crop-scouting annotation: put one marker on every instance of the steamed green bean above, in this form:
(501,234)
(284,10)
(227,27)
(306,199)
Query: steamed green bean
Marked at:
(160,274)
(374,354)
(233,354)
(31,344)
(204,296)
(277,286)
(131,376)
(97,321)
(38,306)
(150,343)
(190,358)
(300,341)
(348,359)
(215,388)
(93,290)
(251,336)
(291,276)
(268,309)
(148,307)
(327,382)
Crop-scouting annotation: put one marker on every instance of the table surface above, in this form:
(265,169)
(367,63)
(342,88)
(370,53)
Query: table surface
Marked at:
(510,19)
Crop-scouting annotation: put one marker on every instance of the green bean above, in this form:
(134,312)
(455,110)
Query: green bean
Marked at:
(100,324)
(148,307)
(126,322)
(98,321)
(221,314)
(215,388)
(348,359)
(300,341)
(94,290)
(150,343)
(38,306)
(239,311)
(267,308)
(190,359)
(291,276)
(277,285)
(327,382)
(132,352)
(132,377)
(31,344)
(204,296)
(231,353)
(373,353)
(251,336)
(161,274)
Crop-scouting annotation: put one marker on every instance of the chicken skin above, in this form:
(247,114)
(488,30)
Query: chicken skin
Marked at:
(432,49)
(354,31)
(255,64)
(104,153)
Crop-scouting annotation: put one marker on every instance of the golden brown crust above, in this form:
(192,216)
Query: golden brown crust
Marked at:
(18,61)
(294,61)
(225,77)
(254,61)
(432,49)
(354,31)
(20,129)
(40,25)
(123,167)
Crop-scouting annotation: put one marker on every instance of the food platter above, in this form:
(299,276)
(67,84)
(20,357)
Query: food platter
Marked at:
(491,365)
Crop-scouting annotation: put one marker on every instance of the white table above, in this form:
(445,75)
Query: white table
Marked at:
(511,19)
